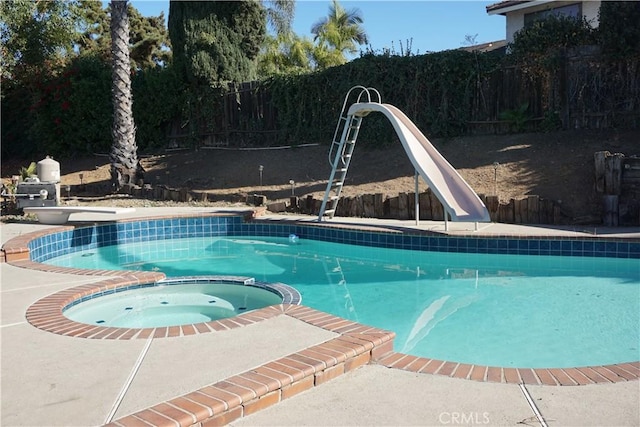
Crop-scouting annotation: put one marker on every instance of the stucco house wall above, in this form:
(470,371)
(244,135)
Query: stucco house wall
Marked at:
(515,18)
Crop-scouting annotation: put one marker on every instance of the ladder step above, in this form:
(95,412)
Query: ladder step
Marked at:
(339,160)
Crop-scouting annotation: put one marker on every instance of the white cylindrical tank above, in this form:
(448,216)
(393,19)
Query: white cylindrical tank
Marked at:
(48,170)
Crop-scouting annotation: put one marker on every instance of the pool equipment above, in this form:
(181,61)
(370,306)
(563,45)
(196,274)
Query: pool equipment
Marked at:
(293,238)
(43,190)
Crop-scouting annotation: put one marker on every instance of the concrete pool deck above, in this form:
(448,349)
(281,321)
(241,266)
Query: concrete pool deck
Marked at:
(50,379)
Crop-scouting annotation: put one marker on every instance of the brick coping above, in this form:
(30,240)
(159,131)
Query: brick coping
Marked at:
(47,313)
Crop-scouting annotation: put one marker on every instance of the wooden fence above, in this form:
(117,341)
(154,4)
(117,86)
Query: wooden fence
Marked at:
(246,117)
(584,92)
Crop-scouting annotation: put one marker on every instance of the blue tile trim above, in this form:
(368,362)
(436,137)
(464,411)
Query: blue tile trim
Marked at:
(87,238)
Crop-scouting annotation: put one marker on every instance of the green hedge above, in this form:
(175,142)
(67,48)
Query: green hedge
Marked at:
(434,90)
(70,113)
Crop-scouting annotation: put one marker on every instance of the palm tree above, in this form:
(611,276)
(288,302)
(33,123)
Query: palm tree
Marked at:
(125,166)
(280,15)
(338,33)
(283,51)
(286,54)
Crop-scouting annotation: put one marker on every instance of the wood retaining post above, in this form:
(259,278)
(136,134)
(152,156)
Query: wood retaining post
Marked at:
(505,213)
(608,181)
(611,213)
(613,174)
(425,205)
(368,206)
(378,204)
(437,211)
(403,206)
(393,207)
(533,209)
(493,206)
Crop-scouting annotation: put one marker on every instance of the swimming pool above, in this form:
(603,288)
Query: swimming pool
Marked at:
(452,298)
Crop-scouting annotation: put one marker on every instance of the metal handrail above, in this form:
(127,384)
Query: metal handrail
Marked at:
(363,90)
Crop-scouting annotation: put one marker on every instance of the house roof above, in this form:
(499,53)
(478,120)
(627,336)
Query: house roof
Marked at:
(501,8)
(486,47)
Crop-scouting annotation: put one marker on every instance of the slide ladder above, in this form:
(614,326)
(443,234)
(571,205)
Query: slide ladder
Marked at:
(342,149)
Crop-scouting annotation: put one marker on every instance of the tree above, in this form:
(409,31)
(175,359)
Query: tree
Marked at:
(547,35)
(280,15)
(286,54)
(94,30)
(539,48)
(216,42)
(125,166)
(35,34)
(149,44)
(619,29)
(148,36)
(283,51)
(337,34)
(36,40)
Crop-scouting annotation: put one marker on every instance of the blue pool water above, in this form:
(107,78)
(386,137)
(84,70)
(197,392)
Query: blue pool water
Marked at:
(487,309)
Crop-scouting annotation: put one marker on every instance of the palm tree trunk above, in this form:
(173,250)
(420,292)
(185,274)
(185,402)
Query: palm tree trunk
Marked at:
(125,166)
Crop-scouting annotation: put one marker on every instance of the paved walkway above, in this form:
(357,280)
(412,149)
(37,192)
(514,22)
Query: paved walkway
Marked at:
(54,380)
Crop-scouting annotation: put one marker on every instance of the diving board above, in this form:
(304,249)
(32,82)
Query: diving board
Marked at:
(57,215)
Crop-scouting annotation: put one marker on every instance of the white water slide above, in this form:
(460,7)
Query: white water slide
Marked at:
(459,200)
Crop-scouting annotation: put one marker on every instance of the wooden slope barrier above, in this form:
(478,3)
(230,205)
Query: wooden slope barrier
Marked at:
(529,210)
(617,180)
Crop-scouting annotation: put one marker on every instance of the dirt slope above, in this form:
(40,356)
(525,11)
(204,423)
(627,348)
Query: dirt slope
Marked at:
(557,166)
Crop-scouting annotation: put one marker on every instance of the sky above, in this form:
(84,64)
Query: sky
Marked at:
(430,26)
